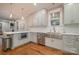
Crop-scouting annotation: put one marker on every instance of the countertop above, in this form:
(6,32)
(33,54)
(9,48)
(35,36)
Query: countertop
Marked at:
(17,32)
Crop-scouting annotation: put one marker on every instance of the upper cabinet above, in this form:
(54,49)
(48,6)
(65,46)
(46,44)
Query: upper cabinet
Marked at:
(71,13)
(38,19)
(55,17)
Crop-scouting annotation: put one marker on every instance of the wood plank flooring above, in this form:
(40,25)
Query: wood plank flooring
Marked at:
(34,49)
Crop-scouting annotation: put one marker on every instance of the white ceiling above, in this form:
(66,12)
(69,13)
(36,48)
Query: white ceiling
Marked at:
(29,8)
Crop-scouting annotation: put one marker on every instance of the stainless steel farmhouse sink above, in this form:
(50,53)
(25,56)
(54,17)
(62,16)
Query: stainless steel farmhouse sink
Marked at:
(54,35)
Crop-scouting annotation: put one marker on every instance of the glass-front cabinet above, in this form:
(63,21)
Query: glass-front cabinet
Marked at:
(55,17)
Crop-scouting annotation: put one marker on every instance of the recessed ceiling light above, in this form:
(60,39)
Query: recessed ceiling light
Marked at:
(35,4)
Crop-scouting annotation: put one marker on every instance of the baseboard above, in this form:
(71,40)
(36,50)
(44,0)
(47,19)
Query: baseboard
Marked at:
(22,45)
(65,52)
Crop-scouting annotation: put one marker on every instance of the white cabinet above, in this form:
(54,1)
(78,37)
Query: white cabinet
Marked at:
(48,42)
(54,43)
(77,43)
(58,43)
(71,13)
(33,37)
(76,12)
(40,18)
(21,25)
(67,14)
(69,42)
(56,17)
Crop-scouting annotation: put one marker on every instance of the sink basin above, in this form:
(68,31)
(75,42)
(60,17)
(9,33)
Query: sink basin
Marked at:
(54,35)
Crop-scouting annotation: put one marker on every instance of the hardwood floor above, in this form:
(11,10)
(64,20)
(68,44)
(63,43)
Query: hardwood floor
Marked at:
(34,49)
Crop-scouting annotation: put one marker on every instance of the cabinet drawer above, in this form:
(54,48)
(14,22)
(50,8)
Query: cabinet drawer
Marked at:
(48,40)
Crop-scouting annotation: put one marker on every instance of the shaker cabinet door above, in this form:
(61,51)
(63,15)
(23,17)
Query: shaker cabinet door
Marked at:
(71,13)
(40,18)
(48,41)
(67,14)
(69,43)
(54,43)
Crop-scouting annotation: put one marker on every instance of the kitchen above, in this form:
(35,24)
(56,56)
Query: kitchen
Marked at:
(54,25)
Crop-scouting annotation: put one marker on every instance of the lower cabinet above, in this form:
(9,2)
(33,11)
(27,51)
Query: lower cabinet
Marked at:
(48,42)
(33,37)
(68,43)
(71,43)
(54,43)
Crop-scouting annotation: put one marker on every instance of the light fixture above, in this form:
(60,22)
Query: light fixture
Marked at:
(35,4)
(11,15)
(70,3)
(11,11)
(22,17)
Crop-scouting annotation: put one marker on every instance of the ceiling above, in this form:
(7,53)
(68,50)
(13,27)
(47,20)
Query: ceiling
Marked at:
(29,8)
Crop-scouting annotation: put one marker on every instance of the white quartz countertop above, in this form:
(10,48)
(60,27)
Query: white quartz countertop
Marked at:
(17,32)
(70,33)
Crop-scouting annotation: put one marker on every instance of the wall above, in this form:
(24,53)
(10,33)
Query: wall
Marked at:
(74,28)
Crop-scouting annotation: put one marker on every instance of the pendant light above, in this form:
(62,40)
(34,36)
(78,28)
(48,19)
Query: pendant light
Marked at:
(11,11)
(22,17)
